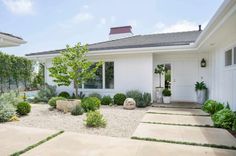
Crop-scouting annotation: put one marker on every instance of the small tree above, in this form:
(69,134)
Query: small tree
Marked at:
(72,66)
(160,69)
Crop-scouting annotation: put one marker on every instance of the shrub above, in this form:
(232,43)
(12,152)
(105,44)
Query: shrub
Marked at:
(64,94)
(147,99)
(224,118)
(211,106)
(52,102)
(97,95)
(23,108)
(45,93)
(234,125)
(137,96)
(11,98)
(7,111)
(119,98)
(95,119)
(166,92)
(90,104)
(77,110)
(106,100)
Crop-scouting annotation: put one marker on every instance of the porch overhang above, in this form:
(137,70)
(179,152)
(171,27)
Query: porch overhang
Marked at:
(8,40)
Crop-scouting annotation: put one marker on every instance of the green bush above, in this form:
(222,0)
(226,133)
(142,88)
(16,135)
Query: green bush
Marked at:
(64,94)
(7,111)
(224,118)
(147,99)
(200,85)
(90,104)
(119,98)
(211,106)
(166,92)
(95,119)
(106,100)
(234,125)
(45,93)
(53,100)
(23,108)
(137,96)
(78,110)
(11,98)
(97,95)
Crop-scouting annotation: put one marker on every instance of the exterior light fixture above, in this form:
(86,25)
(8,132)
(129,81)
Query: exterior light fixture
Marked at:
(203,63)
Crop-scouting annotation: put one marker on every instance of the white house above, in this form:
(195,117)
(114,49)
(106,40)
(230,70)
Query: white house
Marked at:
(9,40)
(130,60)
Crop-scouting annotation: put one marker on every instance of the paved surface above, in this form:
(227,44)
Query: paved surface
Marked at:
(14,138)
(178,119)
(75,144)
(178,105)
(180,111)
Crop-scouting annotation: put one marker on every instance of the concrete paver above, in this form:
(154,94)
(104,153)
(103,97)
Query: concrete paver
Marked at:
(75,144)
(180,111)
(201,135)
(14,138)
(190,105)
(178,119)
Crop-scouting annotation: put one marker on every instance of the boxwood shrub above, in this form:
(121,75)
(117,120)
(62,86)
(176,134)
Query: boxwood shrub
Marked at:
(90,104)
(106,100)
(64,94)
(224,118)
(119,98)
(211,106)
(52,101)
(23,108)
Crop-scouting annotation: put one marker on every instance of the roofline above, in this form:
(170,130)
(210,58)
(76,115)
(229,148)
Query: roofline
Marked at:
(11,39)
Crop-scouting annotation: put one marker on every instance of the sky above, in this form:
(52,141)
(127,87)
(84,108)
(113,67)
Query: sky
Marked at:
(51,24)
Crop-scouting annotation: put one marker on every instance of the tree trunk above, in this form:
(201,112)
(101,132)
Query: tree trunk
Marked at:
(17,84)
(1,85)
(9,83)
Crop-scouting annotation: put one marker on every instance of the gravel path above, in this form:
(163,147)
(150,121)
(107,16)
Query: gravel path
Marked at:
(120,122)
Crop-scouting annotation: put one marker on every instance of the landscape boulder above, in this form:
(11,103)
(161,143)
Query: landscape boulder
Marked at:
(67,105)
(129,103)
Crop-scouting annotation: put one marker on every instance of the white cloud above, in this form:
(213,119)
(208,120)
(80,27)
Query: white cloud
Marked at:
(82,17)
(19,6)
(179,26)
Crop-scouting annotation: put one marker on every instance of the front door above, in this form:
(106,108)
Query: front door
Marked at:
(184,77)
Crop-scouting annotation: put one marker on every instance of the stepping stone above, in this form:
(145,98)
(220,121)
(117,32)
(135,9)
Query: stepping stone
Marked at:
(178,119)
(189,105)
(179,111)
(14,138)
(200,135)
(74,144)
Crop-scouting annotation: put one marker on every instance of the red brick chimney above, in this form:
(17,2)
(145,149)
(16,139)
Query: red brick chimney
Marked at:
(120,32)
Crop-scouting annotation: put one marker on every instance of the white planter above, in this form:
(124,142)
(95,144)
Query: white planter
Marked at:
(166,99)
(201,96)
(159,94)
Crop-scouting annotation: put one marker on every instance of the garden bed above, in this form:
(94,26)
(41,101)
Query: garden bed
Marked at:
(120,122)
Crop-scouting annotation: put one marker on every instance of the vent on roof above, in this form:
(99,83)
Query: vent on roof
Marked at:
(120,32)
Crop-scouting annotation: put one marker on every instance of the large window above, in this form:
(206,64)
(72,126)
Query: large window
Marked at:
(109,75)
(102,80)
(228,58)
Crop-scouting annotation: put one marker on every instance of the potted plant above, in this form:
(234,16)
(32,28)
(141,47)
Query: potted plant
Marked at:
(166,95)
(159,70)
(201,91)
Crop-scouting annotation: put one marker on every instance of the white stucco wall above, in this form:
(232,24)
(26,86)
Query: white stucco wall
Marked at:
(131,71)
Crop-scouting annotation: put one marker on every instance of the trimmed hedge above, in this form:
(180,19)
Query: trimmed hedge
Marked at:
(23,108)
(119,98)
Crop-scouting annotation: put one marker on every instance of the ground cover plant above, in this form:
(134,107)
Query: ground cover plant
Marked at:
(95,119)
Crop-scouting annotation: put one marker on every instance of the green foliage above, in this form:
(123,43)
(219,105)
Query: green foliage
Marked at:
(224,118)
(38,78)
(52,102)
(200,86)
(119,98)
(72,66)
(90,104)
(7,111)
(106,100)
(159,70)
(227,106)
(166,92)
(64,94)
(95,119)
(147,99)
(23,108)
(234,125)
(137,96)
(46,93)
(97,95)
(11,98)
(78,110)
(211,106)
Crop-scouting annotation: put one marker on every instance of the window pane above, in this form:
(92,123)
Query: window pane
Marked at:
(234,55)
(109,75)
(96,82)
(228,57)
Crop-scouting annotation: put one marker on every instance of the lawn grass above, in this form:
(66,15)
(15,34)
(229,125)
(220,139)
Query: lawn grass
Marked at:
(161,123)
(178,114)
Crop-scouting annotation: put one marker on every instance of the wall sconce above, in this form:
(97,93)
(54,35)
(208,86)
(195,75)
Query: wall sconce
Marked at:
(203,63)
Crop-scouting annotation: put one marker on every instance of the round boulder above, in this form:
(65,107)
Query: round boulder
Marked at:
(129,103)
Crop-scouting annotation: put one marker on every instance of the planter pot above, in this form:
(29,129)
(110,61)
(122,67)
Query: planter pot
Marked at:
(201,96)
(159,94)
(67,105)
(166,99)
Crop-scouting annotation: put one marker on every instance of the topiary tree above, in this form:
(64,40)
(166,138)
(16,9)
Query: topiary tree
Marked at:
(72,66)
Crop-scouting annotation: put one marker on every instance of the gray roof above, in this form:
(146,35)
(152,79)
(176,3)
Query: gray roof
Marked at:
(139,41)
(10,35)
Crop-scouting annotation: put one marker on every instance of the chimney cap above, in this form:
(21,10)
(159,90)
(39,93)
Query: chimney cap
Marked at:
(120,30)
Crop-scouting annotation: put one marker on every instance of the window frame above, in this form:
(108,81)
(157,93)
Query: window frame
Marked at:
(230,49)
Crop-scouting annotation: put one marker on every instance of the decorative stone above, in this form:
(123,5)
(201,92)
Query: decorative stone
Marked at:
(129,103)
(67,105)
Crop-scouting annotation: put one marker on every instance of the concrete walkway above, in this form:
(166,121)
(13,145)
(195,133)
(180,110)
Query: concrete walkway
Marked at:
(74,144)
(14,138)
(178,119)
(178,105)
